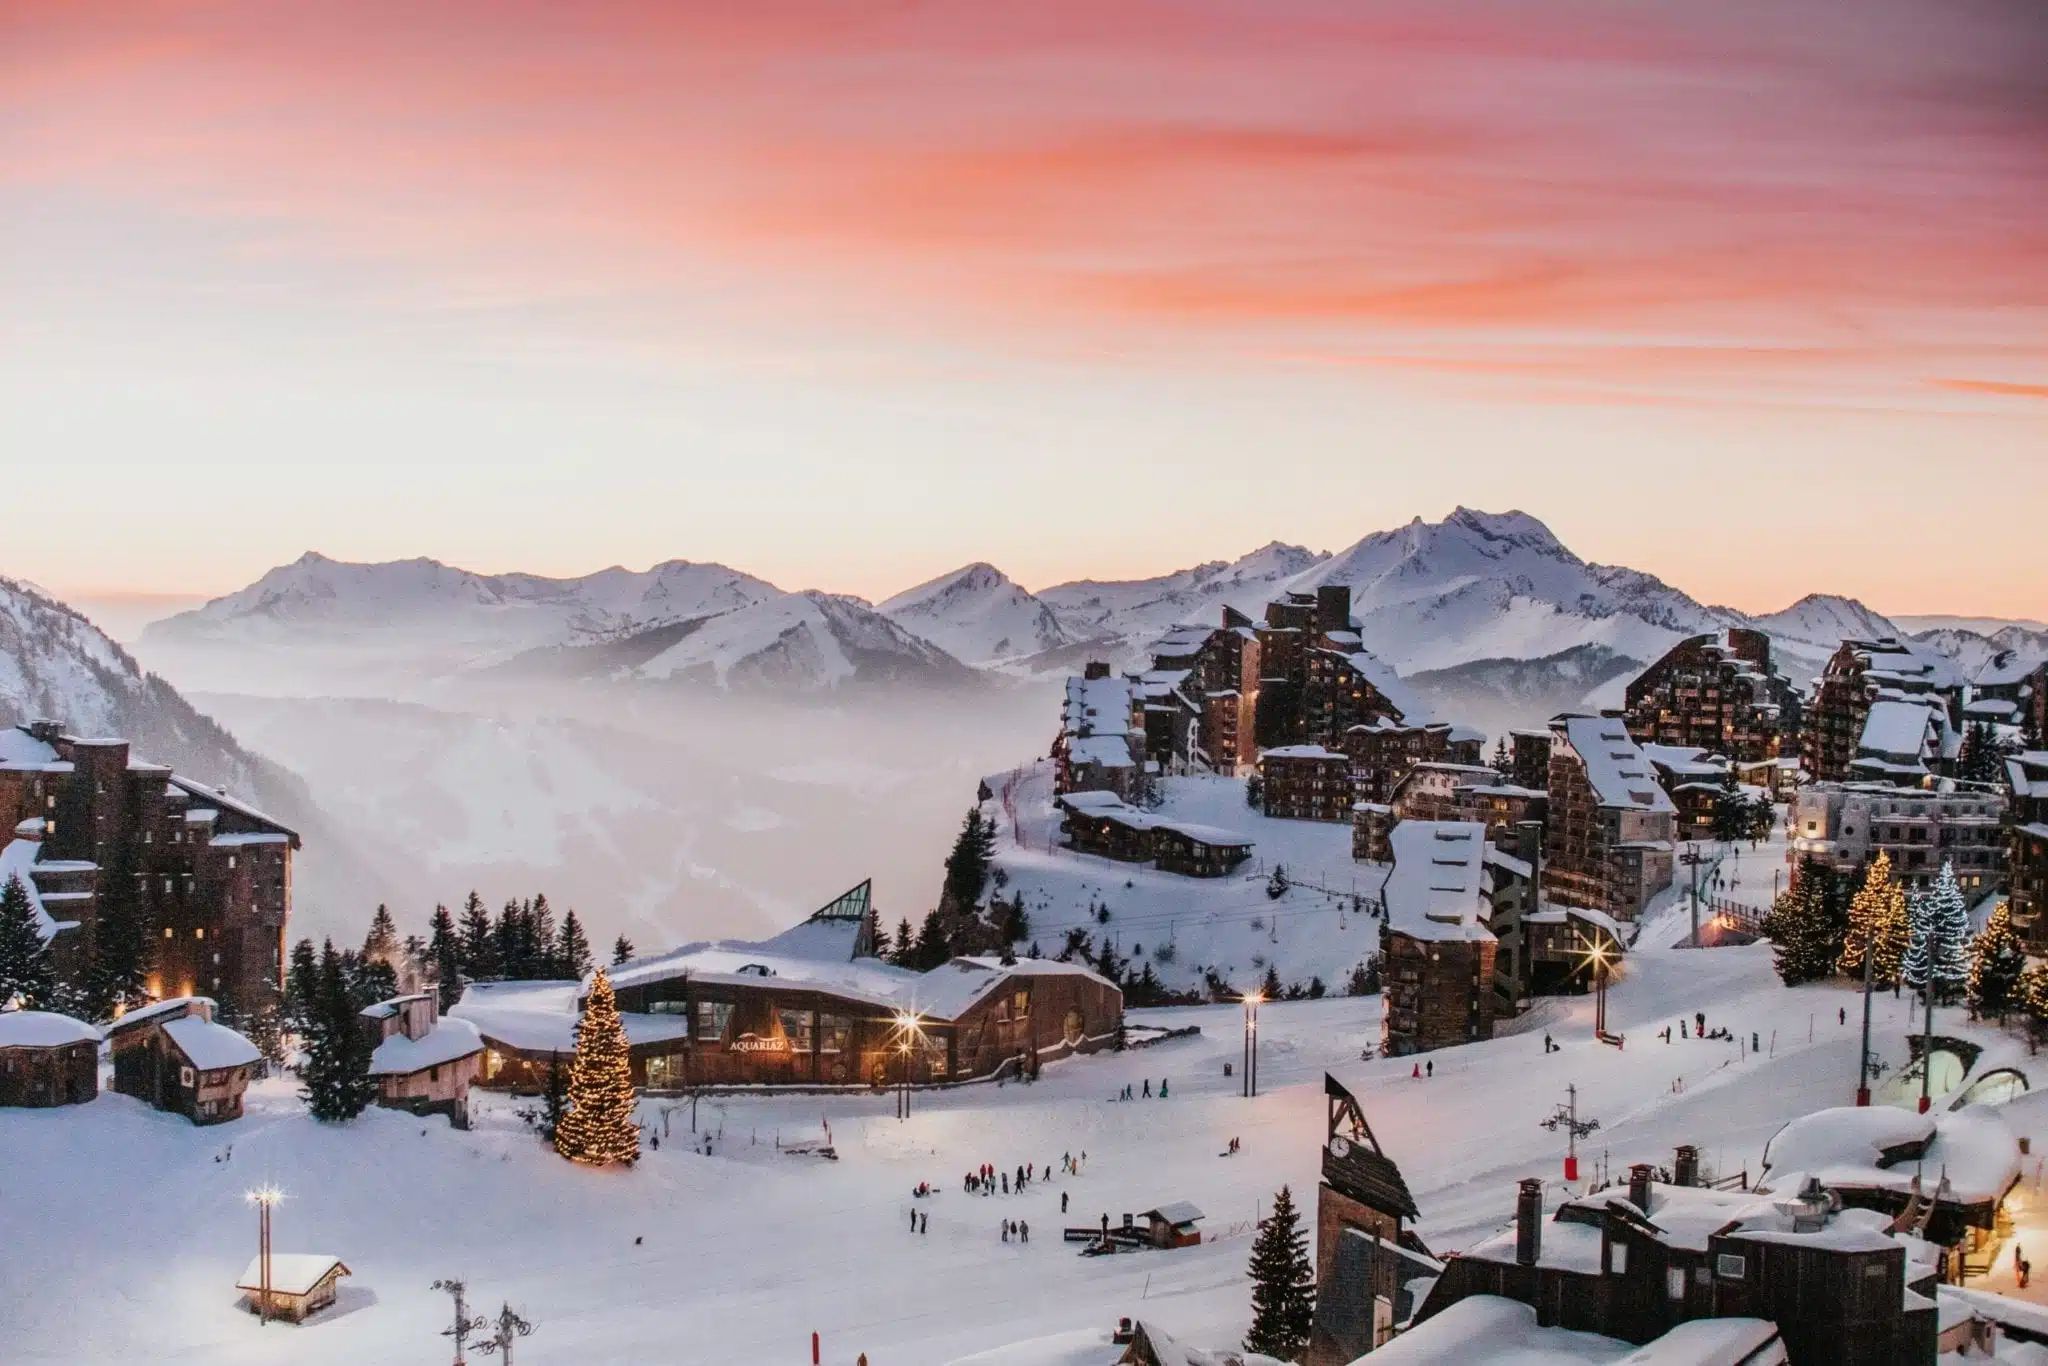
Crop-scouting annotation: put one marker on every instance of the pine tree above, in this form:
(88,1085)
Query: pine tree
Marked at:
(572,950)
(1731,809)
(1503,762)
(1806,925)
(336,1076)
(444,958)
(906,944)
(480,961)
(1283,1284)
(509,940)
(622,950)
(554,1098)
(967,865)
(27,978)
(369,981)
(265,1028)
(1877,916)
(1997,959)
(1982,757)
(380,945)
(118,977)
(1937,958)
(544,941)
(931,949)
(302,989)
(872,931)
(598,1127)
(1270,988)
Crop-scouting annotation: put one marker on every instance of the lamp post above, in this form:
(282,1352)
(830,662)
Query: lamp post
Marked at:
(263,1197)
(1251,1043)
(907,1029)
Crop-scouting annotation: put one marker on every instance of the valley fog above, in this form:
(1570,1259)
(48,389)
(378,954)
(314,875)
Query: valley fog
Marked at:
(662,814)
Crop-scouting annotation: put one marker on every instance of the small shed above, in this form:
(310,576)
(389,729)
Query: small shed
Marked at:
(47,1059)
(301,1283)
(1173,1225)
(174,1056)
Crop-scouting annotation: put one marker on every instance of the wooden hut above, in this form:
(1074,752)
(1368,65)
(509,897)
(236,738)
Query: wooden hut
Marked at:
(1173,1225)
(301,1283)
(174,1056)
(47,1059)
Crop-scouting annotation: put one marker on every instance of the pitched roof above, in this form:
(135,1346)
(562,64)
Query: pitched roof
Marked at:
(291,1273)
(209,1046)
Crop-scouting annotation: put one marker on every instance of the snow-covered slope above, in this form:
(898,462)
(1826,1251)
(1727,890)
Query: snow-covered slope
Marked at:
(55,664)
(1826,620)
(1136,611)
(1975,650)
(367,625)
(978,614)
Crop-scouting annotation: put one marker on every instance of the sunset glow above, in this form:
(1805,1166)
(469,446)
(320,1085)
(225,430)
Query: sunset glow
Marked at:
(846,295)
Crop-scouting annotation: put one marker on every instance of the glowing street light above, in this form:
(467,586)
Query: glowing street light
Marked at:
(264,1197)
(1594,955)
(908,1027)
(1251,1042)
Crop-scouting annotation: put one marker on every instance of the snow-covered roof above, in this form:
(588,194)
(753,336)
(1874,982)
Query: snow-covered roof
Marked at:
(1973,1150)
(1615,765)
(1390,685)
(21,858)
(399,1056)
(216,797)
(1098,706)
(43,1029)
(1491,1328)
(1300,752)
(242,837)
(1564,1247)
(1104,751)
(169,1006)
(1109,806)
(1433,891)
(1685,760)
(1898,726)
(210,1046)
(752,964)
(541,1017)
(22,752)
(291,1273)
(384,1010)
(1175,1212)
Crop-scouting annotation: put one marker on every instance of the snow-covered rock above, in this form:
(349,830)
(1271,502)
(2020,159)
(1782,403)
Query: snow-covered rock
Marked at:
(978,614)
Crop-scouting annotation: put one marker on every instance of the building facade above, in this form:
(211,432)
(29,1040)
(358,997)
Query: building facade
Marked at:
(1610,831)
(1858,674)
(1845,825)
(175,1057)
(1305,782)
(210,872)
(2026,848)
(1436,952)
(422,1064)
(1368,1256)
(47,1059)
(1716,692)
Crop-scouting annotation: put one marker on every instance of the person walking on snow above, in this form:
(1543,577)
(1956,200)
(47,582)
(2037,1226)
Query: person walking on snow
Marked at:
(1415,1073)
(924,1224)
(1023,1231)
(1148,1088)
(1162,1088)
(1430,1067)
(1063,1202)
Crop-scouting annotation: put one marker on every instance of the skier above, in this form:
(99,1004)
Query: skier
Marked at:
(1681,1030)
(1699,1021)
(1754,1046)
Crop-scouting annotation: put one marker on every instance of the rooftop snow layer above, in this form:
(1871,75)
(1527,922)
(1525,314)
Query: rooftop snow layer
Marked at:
(448,1040)
(1615,764)
(291,1273)
(210,1046)
(43,1029)
(1433,892)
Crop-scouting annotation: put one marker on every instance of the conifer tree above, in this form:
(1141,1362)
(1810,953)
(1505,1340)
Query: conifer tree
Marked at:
(27,979)
(1270,988)
(1877,916)
(877,937)
(444,957)
(1937,957)
(510,942)
(118,977)
(1283,1284)
(302,988)
(968,864)
(1731,809)
(1997,959)
(554,1098)
(337,1072)
(544,941)
(1503,762)
(622,950)
(380,945)
(572,949)
(598,1127)
(931,949)
(906,944)
(369,981)
(1801,926)
(480,960)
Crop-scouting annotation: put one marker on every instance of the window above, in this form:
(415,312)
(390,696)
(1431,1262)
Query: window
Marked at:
(1617,1259)
(168,931)
(712,1019)
(199,931)
(1731,1266)
(668,1008)
(796,1027)
(1674,1283)
(834,1032)
(184,1076)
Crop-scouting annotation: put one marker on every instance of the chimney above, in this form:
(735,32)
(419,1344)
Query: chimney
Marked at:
(1685,1166)
(1639,1186)
(1095,668)
(1529,1222)
(1333,607)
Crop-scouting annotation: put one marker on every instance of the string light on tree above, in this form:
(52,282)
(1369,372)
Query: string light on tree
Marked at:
(599,1128)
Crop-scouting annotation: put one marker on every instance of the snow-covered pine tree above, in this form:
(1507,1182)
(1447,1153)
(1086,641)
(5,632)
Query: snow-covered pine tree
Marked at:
(622,950)
(598,1128)
(27,979)
(1731,809)
(967,864)
(1996,961)
(479,947)
(1283,1284)
(380,945)
(1877,916)
(302,989)
(931,949)
(1948,916)
(1798,925)
(572,948)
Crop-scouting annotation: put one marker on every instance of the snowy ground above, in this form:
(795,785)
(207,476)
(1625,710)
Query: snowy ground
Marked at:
(121,1235)
(1182,925)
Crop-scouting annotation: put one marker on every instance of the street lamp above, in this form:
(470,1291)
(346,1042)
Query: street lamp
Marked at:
(1595,955)
(263,1197)
(907,1029)
(1251,1042)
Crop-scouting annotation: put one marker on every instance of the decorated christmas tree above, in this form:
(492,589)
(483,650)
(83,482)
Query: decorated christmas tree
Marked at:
(599,1128)
(1877,917)
(1937,954)
(1804,926)
(1283,1284)
(1996,961)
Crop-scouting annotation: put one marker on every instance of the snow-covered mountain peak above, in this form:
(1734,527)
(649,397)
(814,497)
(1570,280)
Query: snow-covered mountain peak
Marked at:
(979,614)
(1827,619)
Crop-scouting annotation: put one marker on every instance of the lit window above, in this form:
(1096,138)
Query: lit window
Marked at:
(199,931)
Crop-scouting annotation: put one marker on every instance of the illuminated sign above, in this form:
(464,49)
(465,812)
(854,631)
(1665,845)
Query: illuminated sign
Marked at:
(755,1043)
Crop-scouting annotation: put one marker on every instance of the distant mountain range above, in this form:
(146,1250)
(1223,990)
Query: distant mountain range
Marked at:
(1490,610)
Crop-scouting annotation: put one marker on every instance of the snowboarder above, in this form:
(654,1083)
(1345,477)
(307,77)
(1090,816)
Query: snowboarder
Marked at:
(1699,1022)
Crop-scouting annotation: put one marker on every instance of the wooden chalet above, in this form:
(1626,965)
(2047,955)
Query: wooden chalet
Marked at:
(47,1059)
(301,1284)
(422,1063)
(1173,1225)
(174,1056)
(1366,1255)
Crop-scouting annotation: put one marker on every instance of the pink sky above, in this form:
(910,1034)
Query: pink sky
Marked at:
(1753,296)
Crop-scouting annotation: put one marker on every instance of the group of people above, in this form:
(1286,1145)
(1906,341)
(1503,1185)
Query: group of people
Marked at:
(1424,1069)
(1146,1094)
(1018,1229)
(986,1179)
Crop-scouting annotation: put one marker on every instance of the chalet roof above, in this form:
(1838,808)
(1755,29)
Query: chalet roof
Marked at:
(447,1041)
(1108,806)
(1433,892)
(1179,1213)
(210,1047)
(1389,684)
(384,1010)
(1972,1152)
(1615,765)
(43,1029)
(22,752)
(1493,1328)
(218,798)
(1300,752)
(1354,1164)
(175,1005)
(291,1273)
